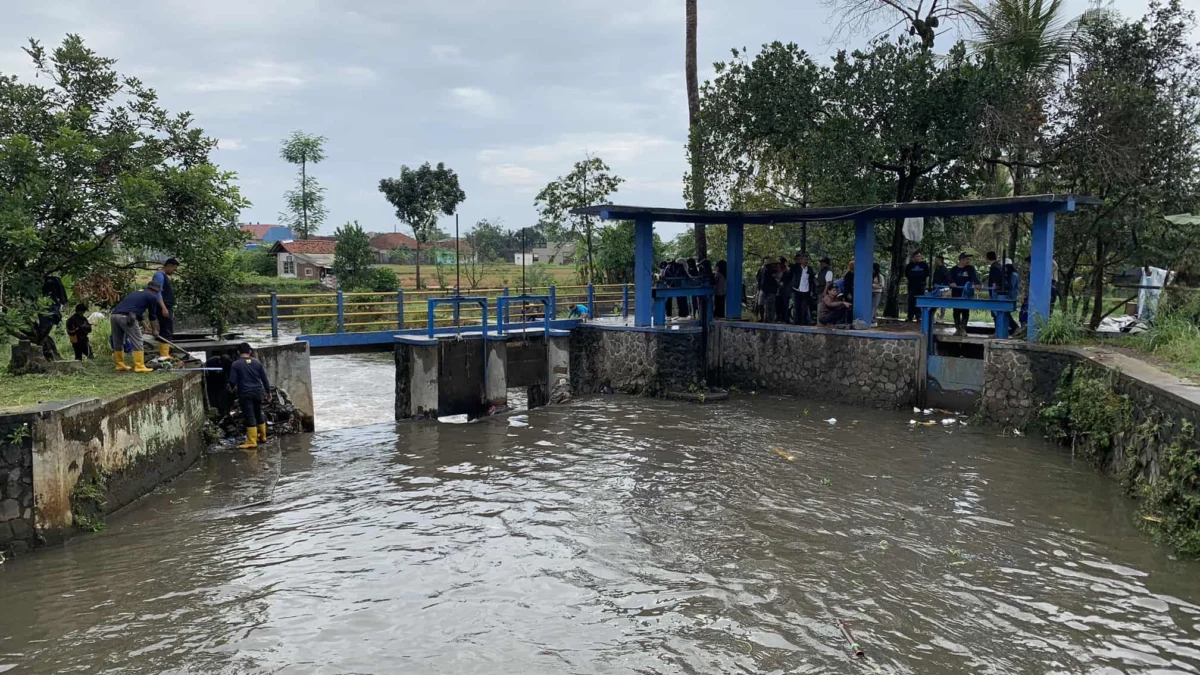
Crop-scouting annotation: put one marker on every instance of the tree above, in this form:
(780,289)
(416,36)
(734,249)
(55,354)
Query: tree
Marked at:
(208,284)
(305,202)
(615,252)
(922,20)
(589,183)
(352,256)
(419,196)
(89,158)
(1128,125)
(696,197)
(486,240)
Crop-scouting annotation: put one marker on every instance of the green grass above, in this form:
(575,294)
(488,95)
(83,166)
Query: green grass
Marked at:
(98,378)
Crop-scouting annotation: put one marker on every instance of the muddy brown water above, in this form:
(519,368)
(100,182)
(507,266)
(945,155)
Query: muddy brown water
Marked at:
(613,535)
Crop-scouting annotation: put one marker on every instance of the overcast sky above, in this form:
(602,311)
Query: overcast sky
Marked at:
(508,93)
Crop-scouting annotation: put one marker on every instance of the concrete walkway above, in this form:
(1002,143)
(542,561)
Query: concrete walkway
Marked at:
(1144,372)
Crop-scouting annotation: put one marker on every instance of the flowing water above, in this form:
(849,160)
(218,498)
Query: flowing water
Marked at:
(613,535)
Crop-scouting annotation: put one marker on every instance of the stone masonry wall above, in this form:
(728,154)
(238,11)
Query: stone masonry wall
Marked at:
(647,362)
(16,488)
(834,365)
(1018,379)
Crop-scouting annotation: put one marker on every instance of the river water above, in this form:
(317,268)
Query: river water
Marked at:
(613,535)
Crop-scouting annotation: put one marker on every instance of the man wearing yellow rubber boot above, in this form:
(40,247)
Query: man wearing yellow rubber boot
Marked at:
(126,319)
(248,379)
(166,305)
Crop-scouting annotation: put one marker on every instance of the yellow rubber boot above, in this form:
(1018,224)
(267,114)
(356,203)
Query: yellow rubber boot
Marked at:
(262,432)
(139,363)
(251,439)
(119,360)
(164,349)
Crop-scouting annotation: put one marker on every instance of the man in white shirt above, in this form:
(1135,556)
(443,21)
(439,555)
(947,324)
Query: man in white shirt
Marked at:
(803,283)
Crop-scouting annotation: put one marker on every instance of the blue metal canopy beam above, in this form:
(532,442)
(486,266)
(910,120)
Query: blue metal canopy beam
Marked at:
(965,207)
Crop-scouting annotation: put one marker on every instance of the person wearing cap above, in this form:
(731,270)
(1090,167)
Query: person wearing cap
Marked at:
(962,277)
(248,380)
(916,272)
(126,320)
(166,305)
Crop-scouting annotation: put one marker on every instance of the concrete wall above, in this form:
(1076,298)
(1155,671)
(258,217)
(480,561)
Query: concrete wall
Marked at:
(16,487)
(855,367)
(635,361)
(1019,378)
(119,448)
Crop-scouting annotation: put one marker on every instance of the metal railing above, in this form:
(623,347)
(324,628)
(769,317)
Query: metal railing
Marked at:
(386,311)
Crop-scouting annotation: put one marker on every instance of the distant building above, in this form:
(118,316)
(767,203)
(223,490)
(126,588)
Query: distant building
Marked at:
(304,259)
(562,253)
(443,251)
(265,236)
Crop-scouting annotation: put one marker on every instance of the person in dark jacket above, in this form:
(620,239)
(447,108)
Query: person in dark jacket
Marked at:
(802,281)
(916,272)
(941,277)
(963,279)
(782,296)
(78,330)
(996,280)
(126,319)
(166,305)
(216,384)
(760,298)
(248,380)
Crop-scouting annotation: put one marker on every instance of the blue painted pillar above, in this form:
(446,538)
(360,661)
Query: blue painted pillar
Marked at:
(643,271)
(552,310)
(625,300)
(864,258)
(400,309)
(734,252)
(341,313)
(1040,268)
(507,318)
(274,315)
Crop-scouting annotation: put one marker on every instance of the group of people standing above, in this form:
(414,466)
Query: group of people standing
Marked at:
(680,273)
(800,294)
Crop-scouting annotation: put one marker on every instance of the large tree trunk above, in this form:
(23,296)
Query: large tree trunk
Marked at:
(906,186)
(1098,297)
(418,260)
(693,94)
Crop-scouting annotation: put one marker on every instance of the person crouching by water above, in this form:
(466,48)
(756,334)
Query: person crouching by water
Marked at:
(126,319)
(78,329)
(248,379)
(832,310)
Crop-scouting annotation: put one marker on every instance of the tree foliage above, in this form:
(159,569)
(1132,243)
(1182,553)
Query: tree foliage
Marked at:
(589,183)
(352,257)
(90,159)
(420,196)
(306,202)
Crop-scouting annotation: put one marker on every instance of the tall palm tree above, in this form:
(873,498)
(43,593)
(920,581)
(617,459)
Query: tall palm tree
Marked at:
(693,94)
(1033,37)
(1032,40)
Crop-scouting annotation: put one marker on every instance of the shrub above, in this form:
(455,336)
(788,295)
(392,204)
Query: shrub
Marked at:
(256,262)
(381,280)
(1060,329)
(1088,413)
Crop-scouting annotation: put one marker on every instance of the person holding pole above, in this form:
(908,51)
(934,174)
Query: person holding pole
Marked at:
(248,379)
(166,305)
(126,320)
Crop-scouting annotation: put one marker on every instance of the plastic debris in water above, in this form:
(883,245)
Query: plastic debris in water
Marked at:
(916,411)
(1017,433)
(927,411)
(783,453)
(949,421)
(832,420)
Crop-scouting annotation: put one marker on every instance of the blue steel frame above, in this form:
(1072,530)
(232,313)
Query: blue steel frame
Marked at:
(661,293)
(457,302)
(1000,308)
(503,302)
(1043,208)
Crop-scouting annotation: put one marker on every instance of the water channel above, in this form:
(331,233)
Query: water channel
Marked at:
(613,535)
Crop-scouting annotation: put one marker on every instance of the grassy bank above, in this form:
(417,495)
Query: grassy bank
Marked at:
(494,275)
(98,378)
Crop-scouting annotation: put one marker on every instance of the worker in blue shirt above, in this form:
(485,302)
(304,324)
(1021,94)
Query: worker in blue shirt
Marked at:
(127,318)
(166,305)
(248,380)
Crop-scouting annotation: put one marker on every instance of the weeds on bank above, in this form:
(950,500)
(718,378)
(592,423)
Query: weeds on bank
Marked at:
(1097,421)
(1059,329)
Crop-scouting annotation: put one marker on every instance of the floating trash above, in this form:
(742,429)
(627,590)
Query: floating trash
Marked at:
(949,421)
(832,420)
